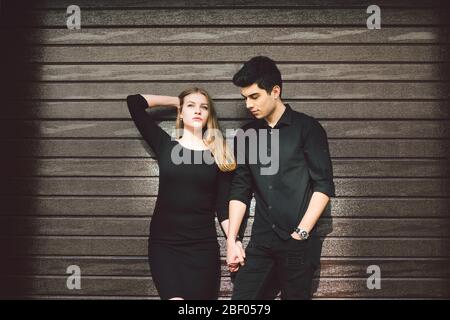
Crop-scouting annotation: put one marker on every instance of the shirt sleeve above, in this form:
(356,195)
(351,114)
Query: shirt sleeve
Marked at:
(241,188)
(222,200)
(222,193)
(152,133)
(241,185)
(318,159)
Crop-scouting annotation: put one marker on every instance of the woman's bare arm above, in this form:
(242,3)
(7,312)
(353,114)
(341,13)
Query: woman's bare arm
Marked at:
(155,100)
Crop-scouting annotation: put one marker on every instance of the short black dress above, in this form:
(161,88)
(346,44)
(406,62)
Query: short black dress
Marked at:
(183,250)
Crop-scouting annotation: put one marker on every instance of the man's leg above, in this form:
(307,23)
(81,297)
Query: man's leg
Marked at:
(295,269)
(251,279)
(272,287)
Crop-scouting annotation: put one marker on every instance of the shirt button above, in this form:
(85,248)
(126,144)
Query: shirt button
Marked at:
(273,226)
(270,207)
(270,187)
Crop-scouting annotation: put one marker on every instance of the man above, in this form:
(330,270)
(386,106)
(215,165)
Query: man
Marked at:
(283,243)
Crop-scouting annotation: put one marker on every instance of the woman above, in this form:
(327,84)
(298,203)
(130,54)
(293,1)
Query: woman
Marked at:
(183,251)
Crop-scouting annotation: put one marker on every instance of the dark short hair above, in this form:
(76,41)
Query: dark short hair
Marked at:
(260,70)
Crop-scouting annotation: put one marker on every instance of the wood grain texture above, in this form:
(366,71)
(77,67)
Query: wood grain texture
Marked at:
(139,226)
(140,186)
(237,53)
(139,266)
(420,168)
(233,3)
(225,72)
(127,129)
(138,246)
(138,206)
(143,286)
(233,109)
(226,90)
(81,183)
(236,16)
(137,147)
(232,34)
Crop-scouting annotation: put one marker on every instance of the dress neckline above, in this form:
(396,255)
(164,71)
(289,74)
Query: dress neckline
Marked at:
(190,148)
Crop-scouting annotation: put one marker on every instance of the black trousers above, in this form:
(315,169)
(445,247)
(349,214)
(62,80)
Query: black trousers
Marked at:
(274,265)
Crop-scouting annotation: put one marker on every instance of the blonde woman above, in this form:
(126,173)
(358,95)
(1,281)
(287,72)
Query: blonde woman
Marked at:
(195,171)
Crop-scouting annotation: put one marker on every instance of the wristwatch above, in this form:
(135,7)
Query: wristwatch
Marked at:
(302,233)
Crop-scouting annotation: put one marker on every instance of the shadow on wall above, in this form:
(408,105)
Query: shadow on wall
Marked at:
(324,227)
(15,87)
(444,73)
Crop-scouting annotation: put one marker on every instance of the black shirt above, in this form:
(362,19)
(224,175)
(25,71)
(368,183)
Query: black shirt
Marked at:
(189,195)
(304,167)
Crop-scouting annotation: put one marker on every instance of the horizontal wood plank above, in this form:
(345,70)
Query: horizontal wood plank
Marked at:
(138,246)
(237,53)
(140,186)
(143,207)
(125,148)
(139,266)
(232,3)
(225,72)
(143,286)
(232,34)
(127,128)
(332,227)
(149,168)
(226,90)
(234,16)
(348,109)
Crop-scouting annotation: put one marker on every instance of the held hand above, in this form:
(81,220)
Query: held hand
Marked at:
(242,251)
(239,244)
(234,266)
(235,252)
(235,256)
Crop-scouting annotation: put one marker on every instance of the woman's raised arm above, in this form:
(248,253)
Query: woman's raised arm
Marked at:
(152,133)
(155,100)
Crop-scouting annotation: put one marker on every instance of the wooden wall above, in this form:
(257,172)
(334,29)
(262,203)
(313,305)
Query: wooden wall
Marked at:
(82,186)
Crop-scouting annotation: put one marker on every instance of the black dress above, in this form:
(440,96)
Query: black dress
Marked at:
(184,253)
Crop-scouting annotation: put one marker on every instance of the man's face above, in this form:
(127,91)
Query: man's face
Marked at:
(258,101)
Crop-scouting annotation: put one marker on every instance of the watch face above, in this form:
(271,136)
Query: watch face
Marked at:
(304,234)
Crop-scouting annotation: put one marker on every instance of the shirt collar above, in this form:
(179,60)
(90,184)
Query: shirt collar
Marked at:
(286,118)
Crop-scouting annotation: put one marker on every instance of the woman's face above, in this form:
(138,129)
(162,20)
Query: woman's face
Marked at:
(195,110)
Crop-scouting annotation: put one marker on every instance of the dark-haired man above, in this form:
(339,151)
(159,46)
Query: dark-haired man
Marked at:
(283,243)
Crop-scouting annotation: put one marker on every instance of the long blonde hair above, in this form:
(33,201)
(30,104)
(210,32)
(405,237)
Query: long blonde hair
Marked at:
(214,140)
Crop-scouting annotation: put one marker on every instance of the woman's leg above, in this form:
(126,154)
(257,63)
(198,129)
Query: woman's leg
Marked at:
(165,274)
(186,271)
(202,272)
